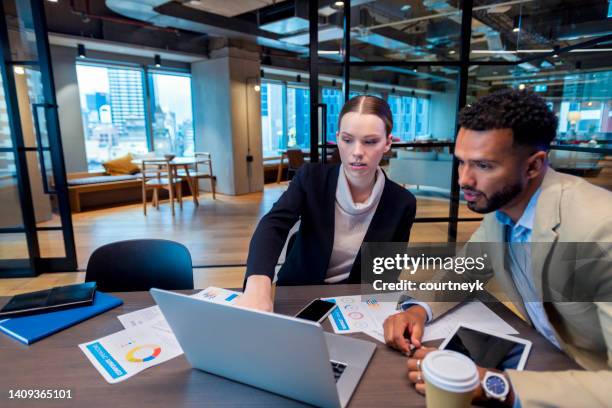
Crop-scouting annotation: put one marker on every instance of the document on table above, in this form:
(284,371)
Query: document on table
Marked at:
(153,314)
(146,341)
(366,314)
(121,355)
(360,314)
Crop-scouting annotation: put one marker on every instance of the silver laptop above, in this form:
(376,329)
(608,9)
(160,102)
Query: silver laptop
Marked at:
(281,354)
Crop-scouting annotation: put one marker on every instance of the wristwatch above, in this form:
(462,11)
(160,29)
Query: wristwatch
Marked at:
(495,386)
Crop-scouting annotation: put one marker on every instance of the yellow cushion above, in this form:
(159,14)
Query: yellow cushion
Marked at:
(121,165)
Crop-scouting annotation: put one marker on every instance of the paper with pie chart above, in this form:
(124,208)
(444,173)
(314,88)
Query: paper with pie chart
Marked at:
(351,315)
(121,355)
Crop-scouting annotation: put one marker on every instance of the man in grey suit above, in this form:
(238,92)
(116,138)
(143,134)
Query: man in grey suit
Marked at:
(502,148)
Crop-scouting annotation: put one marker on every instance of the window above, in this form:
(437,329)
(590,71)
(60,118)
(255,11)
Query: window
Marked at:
(112,109)
(298,118)
(285,118)
(401,110)
(114,112)
(172,114)
(272,126)
(334,100)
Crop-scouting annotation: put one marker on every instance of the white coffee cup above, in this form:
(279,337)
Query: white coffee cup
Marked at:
(450,379)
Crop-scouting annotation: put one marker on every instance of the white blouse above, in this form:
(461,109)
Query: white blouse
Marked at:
(350,226)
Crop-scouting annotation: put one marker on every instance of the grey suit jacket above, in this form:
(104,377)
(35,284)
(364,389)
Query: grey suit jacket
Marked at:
(569,209)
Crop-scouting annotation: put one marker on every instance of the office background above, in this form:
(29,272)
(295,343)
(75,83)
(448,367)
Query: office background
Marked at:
(239,79)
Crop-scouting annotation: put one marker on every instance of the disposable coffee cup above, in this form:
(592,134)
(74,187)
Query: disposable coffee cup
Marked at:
(450,379)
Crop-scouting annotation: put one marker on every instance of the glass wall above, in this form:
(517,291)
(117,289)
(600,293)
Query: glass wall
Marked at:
(114,112)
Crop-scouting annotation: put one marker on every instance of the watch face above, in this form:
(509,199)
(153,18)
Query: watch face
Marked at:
(495,385)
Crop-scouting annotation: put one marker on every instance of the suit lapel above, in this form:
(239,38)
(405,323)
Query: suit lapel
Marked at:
(547,219)
(329,215)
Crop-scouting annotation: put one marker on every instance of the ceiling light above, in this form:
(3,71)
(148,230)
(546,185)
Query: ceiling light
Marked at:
(522,86)
(590,104)
(451,52)
(257,88)
(339,3)
(405,7)
(81,50)
(19,70)
(52,1)
(517,24)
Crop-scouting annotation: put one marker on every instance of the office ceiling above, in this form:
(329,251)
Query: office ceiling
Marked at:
(389,30)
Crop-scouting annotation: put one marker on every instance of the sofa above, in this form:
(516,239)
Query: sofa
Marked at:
(432,169)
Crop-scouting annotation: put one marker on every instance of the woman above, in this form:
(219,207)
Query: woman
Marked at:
(340,206)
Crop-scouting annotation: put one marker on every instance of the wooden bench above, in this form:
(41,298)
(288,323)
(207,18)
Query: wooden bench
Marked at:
(98,189)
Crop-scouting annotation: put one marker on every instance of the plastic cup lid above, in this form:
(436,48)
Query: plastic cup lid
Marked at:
(450,371)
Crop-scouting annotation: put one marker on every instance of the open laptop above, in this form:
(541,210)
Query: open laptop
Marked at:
(281,354)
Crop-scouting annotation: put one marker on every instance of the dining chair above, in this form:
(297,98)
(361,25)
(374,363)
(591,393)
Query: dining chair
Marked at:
(295,159)
(158,175)
(203,159)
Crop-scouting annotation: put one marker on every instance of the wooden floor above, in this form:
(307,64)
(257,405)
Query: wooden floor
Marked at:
(217,233)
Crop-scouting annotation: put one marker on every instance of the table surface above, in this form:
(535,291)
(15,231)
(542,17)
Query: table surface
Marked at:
(177,161)
(57,363)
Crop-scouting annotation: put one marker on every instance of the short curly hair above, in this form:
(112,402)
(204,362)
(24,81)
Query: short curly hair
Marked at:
(533,124)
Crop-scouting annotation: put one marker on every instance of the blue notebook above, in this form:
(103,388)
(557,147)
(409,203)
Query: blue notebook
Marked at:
(29,329)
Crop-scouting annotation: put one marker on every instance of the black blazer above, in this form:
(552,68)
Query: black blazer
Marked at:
(312,196)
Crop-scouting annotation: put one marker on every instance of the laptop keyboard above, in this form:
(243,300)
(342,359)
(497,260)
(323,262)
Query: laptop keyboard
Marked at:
(338,369)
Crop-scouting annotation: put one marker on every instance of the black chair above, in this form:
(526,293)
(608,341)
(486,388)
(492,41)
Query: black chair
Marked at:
(139,265)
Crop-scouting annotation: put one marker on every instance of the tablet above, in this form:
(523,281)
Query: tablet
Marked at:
(50,300)
(488,349)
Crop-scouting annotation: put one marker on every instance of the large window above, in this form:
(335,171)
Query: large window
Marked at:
(285,118)
(298,118)
(114,112)
(172,114)
(333,98)
(285,115)
(272,125)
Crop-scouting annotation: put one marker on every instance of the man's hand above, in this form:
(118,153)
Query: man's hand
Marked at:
(409,323)
(257,294)
(415,375)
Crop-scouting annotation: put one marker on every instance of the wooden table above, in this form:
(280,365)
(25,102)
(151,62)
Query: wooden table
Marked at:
(57,363)
(174,164)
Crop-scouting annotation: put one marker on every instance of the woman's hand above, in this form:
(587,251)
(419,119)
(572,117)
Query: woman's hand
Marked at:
(257,294)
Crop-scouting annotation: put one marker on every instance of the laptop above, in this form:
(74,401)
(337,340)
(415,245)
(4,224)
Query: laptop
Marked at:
(285,355)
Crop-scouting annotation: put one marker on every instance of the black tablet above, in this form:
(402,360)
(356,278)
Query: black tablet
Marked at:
(487,348)
(50,300)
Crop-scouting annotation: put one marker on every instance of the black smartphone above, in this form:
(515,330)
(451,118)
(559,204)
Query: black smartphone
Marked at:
(316,311)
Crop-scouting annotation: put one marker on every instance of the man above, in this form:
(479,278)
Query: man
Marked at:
(502,150)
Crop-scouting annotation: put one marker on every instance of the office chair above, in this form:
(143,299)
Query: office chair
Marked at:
(139,265)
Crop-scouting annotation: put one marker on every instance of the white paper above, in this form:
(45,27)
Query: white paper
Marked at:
(121,355)
(366,314)
(153,313)
(360,314)
(475,314)
(147,336)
